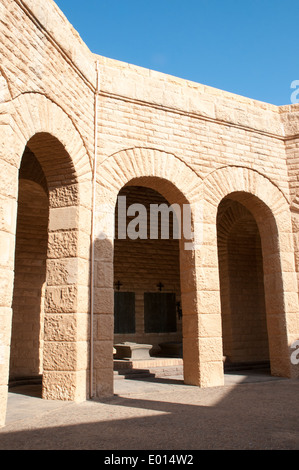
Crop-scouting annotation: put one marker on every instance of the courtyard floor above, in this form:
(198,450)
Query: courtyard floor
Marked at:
(251,411)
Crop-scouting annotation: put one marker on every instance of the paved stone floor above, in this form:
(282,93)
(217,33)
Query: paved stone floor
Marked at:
(251,411)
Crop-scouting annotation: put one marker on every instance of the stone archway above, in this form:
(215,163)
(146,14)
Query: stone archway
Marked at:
(175,181)
(37,124)
(26,351)
(270,210)
(62,352)
(147,271)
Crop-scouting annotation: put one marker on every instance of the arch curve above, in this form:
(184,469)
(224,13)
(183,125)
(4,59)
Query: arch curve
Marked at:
(139,164)
(230,179)
(34,113)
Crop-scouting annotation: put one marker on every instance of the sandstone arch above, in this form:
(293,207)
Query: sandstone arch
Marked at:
(270,208)
(144,163)
(171,177)
(41,128)
(34,113)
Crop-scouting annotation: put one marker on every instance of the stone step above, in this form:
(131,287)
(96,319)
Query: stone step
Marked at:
(246,366)
(132,374)
(20,381)
(167,371)
(177,370)
(162,371)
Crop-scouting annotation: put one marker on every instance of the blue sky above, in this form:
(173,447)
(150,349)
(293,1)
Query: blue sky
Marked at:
(248,47)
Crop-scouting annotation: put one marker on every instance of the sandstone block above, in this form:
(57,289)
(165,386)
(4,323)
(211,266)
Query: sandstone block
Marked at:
(63,218)
(104,382)
(65,386)
(103,354)
(104,300)
(61,299)
(6,287)
(105,327)
(211,374)
(62,356)
(3,404)
(8,211)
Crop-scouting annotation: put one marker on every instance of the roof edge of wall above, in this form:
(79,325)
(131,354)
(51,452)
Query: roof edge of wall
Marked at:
(131,82)
(134,82)
(51,19)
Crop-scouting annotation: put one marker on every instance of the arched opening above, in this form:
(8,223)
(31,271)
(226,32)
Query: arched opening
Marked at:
(147,291)
(44,340)
(26,357)
(178,184)
(244,323)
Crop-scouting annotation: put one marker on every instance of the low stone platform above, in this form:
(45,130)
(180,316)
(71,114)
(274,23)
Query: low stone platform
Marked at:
(154,367)
(147,363)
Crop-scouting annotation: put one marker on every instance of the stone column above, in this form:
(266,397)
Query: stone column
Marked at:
(66,340)
(103,300)
(209,308)
(202,334)
(8,210)
(281,294)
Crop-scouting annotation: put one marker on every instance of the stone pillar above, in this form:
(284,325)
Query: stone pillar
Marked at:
(8,213)
(8,209)
(103,301)
(202,334)
(190,317)
(209,309)
(66,340)
(281,294)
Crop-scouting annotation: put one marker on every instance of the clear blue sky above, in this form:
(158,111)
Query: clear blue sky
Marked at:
(248,47)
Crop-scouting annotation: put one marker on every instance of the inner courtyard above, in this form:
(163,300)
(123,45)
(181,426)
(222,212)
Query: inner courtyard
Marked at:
(81,137)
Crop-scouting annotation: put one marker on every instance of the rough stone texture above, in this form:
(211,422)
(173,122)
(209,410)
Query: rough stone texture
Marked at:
(192,144)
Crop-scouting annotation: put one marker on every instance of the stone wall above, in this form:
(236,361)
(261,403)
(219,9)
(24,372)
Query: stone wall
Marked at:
(42,53)
(204,127)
